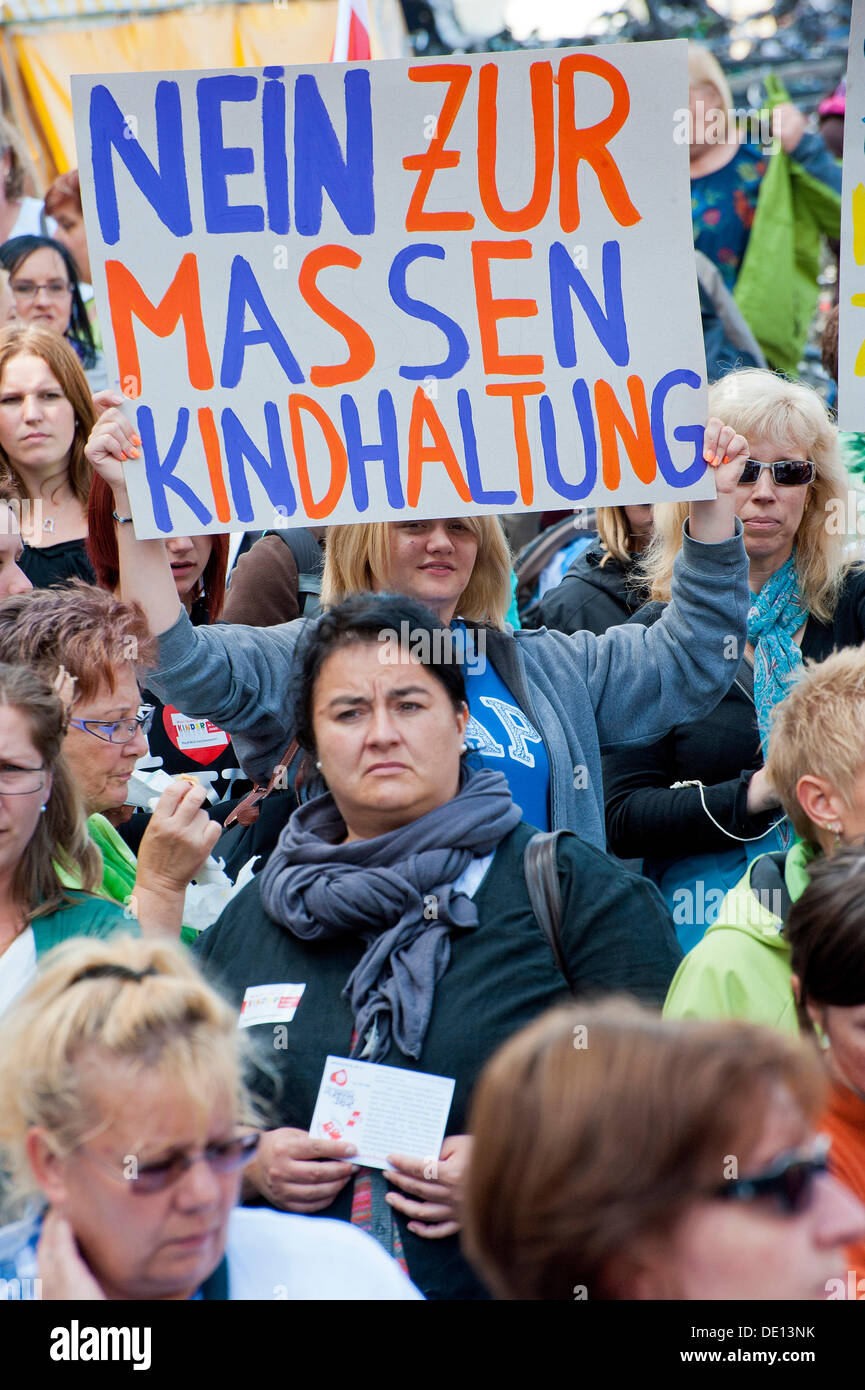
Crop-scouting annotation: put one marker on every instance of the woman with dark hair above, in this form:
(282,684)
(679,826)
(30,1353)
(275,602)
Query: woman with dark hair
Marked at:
(826,935)
(44,280)
(198,567)
(198,563)
(43,836)
(400,897)
(543,704)
(618,1157)
(46,413)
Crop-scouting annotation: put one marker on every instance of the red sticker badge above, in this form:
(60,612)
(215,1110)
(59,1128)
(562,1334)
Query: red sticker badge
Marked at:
(197,739)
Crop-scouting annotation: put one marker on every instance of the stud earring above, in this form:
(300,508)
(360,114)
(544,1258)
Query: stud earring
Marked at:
(465,748)
(43,808)
(318,765)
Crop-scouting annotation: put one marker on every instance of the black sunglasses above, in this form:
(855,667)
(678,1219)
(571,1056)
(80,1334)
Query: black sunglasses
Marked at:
(789,1180)
(785,472)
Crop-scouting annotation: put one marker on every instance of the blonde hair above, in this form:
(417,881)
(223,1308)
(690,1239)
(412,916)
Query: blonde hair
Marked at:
(704,70)
(767,406)
(357,559)
(69,1030)
(614,533)
(819,728)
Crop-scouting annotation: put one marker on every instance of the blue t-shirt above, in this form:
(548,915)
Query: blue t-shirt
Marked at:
(505,739)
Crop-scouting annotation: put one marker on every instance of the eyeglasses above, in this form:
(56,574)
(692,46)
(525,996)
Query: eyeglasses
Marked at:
(222,1158)
(26,290)
(789,1180)
(785,472)
(17,781)
(117,730)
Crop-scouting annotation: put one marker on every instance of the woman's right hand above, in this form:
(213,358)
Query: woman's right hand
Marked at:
(64,1275)
(112,441)
(179,836)
(299,1173)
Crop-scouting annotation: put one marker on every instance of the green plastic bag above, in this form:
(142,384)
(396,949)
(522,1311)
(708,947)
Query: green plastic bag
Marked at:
(777,285)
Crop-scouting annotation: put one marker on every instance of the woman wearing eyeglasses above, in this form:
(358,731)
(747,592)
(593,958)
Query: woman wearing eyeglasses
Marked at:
(46,413)
(808,598)
(122,1113)
(826,935)
(43,836)
(649,1160)
(94,640)
(45,284)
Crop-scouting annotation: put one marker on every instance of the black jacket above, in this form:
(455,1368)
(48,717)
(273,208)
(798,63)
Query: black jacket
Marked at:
(591,596)
(616,935)
(646,819)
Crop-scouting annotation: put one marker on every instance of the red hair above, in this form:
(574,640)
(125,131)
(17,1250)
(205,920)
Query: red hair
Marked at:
(102,549)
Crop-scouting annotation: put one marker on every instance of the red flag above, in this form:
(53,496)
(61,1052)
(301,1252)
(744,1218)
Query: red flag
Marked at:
(351,41)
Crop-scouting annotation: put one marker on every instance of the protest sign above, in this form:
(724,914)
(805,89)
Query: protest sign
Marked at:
(376,291)
(851,287)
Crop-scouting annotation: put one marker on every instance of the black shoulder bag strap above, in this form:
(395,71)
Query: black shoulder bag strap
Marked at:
(541,869)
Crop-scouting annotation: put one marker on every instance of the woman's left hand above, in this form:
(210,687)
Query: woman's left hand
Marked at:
(725,451)
(64,1275)
(435,1185)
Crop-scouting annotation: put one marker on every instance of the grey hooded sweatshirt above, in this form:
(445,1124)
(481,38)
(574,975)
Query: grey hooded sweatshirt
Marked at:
(584,694)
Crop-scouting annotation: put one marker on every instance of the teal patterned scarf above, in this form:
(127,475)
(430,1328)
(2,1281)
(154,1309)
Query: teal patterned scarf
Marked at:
(776,614)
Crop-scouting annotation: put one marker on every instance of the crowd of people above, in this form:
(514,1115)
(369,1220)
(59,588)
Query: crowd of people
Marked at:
(601,865)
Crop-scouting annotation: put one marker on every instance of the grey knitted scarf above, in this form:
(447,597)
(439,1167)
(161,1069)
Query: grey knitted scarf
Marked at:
(395,892)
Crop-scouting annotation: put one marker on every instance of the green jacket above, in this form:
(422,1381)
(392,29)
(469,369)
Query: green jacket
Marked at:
(741,968)
(118,862)
(118,869)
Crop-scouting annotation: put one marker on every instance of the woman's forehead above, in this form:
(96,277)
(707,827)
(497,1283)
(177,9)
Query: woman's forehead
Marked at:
(154,1106)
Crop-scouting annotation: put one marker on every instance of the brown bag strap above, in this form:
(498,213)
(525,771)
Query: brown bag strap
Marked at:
(540,866)
(246,811)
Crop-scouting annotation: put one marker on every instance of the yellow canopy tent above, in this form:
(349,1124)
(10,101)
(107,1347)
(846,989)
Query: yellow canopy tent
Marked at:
(43,42)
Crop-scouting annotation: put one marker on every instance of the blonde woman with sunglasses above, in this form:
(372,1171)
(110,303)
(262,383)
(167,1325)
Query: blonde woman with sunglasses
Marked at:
(808,598)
